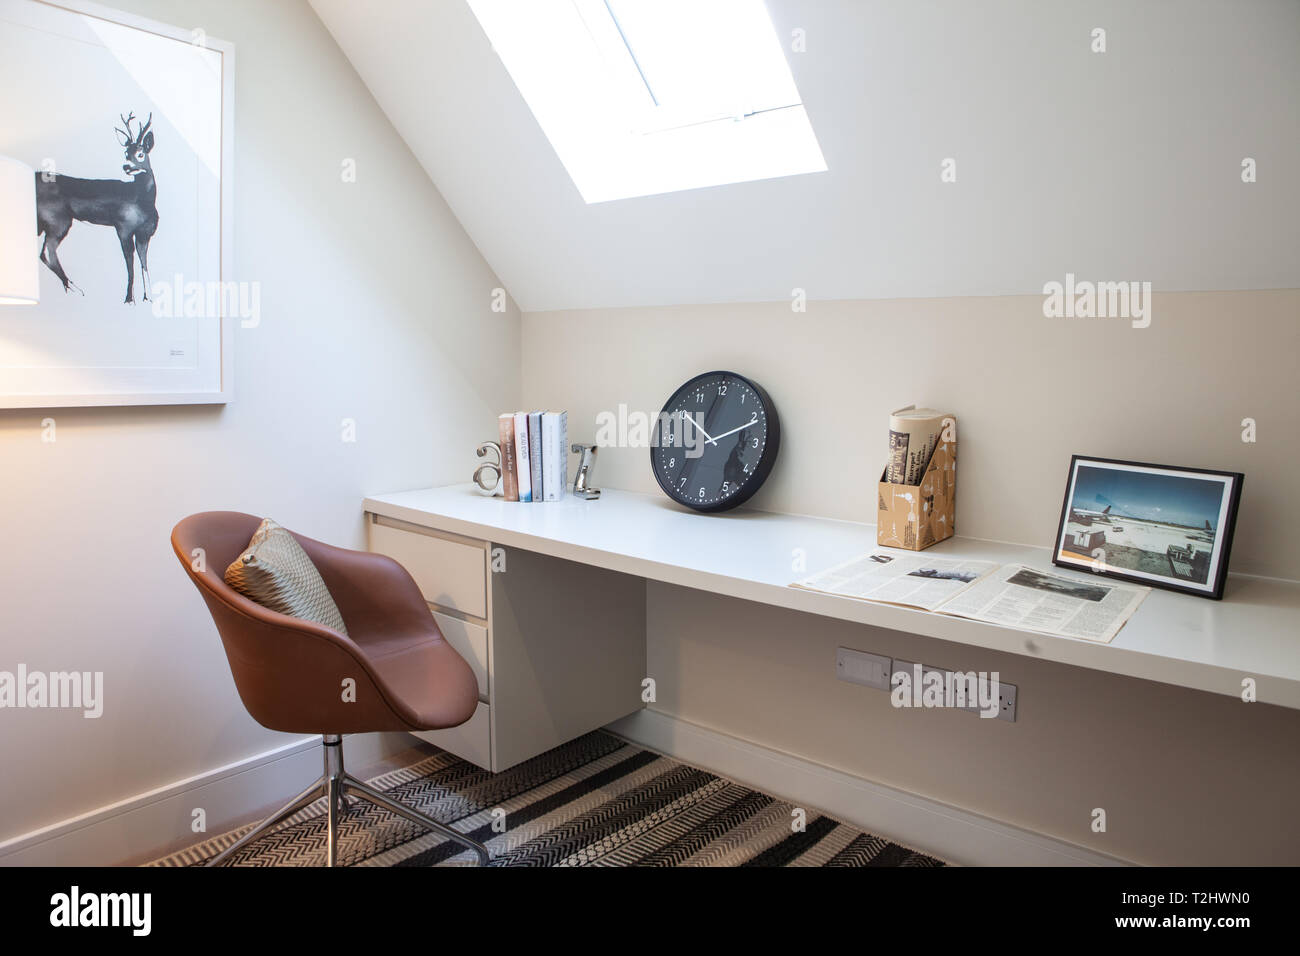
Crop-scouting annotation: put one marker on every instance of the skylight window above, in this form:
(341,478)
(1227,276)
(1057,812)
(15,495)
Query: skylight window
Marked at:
(652,96)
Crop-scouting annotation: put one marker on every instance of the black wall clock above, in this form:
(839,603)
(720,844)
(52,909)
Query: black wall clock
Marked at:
(715,442)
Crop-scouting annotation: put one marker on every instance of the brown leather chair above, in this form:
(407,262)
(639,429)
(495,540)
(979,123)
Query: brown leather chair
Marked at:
(290,673)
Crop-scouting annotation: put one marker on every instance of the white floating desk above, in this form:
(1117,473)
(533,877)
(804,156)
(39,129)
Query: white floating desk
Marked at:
(1172,638)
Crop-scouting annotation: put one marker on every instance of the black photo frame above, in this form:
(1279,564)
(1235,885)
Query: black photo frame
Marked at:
(1158,525)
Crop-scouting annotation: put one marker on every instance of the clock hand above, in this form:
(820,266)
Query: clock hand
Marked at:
(699,426)
(752,421)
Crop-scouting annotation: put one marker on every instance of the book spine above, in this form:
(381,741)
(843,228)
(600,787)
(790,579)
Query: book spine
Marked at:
(535,455)
(509,473)
(549,474)
(562,448)
(521,457)
(554,455)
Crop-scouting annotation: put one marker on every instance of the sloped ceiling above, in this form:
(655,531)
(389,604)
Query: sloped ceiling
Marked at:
(1123,165)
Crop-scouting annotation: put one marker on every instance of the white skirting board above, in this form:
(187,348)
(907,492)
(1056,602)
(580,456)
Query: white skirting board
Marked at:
(149,824)
(952,834)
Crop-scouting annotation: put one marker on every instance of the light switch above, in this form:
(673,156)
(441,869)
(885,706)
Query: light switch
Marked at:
(859,667)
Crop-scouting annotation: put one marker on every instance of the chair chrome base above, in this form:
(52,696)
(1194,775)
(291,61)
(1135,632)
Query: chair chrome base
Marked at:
(337,785)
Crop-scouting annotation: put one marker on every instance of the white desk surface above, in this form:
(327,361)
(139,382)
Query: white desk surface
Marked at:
(1173,638)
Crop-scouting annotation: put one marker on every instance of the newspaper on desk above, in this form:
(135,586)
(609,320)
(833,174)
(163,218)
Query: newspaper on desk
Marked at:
(1012,595)
(1033,600)
(907,579)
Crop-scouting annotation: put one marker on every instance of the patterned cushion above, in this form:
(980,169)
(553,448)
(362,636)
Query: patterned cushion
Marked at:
(275,572)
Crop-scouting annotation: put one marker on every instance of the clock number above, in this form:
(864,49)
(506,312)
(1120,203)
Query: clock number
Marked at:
(701,492)
(726,487)
(722,390)
(755,442)
(672,462)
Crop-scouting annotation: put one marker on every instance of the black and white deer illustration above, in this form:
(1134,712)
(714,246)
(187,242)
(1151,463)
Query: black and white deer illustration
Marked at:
(129,207)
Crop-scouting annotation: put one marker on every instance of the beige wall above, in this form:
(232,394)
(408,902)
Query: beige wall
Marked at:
(375,307)
(1185,776)
(1028,392)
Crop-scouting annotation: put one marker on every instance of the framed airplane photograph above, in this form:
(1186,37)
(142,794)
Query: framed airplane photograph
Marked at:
(1157,525)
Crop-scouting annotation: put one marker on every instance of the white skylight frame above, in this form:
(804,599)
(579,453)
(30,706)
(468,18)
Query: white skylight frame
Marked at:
(706,99)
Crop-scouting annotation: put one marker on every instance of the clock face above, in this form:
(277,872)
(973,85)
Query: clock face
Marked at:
(715,441)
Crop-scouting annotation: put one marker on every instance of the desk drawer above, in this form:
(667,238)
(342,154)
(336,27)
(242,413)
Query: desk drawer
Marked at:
(470,642)
(472,740)
(450,573)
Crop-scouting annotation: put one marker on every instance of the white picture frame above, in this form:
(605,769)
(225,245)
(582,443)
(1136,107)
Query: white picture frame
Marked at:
(58,354)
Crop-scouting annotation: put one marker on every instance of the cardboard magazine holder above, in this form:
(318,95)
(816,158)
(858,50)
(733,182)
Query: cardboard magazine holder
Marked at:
(916,516)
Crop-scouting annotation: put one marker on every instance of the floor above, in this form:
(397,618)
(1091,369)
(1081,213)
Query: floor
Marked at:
(595,801)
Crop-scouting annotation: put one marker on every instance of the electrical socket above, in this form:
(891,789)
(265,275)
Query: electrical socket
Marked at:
(901,665)
(1006,692)
(1007,701)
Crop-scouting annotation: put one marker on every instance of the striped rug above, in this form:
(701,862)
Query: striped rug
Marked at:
(596,801)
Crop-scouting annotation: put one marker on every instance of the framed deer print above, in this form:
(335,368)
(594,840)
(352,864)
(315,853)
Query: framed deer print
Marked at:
(127,125)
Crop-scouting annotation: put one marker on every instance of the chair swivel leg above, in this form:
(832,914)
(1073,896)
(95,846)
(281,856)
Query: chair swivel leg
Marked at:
(379,798)
(335,784)
(334,774)
(303,799)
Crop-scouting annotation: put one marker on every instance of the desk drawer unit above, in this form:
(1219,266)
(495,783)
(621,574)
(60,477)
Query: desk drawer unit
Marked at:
(471,740)
(558,647)
(451,571)
(470,641)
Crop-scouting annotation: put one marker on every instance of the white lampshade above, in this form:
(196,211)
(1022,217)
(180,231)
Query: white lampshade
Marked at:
(19,279)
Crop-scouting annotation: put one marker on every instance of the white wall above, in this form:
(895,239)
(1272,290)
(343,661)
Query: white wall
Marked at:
(398,336)
(1117,165)
(375,307)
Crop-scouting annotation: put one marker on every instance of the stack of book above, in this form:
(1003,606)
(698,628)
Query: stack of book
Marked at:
(534,455)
